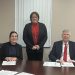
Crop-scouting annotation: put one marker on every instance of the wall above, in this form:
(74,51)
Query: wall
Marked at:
(7,19)
(63,17)
(23,9)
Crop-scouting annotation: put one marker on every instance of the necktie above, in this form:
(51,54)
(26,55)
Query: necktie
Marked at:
(65,53)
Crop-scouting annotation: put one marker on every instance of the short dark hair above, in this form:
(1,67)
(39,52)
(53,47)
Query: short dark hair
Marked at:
(35,14)
(12,33)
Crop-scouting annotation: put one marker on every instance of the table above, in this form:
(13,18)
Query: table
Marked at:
(37,68)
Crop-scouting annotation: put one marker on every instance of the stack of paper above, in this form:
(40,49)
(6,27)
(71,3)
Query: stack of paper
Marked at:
(67,64)
(6,72)
(9,63)
(52,64)
(24,73)
(57,64)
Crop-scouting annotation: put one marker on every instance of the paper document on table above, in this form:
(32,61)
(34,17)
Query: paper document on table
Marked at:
(52,64)
(6,72)
(24,73)
(9,63)
(67,64)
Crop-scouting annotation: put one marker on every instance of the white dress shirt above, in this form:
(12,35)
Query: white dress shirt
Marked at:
(68,54)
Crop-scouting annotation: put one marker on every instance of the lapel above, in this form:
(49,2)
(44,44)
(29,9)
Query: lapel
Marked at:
(30,32)
(30,29)
(70,48)
(60,47)
(39,30)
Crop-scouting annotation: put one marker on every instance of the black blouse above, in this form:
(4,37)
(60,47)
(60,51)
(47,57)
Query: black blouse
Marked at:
(9,50)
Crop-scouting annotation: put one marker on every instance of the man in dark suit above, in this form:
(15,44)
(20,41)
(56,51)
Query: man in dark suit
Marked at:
(35,36)
(58,51)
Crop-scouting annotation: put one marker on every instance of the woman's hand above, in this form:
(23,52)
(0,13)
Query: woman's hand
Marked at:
(10,58)
(34,48)
(37,47)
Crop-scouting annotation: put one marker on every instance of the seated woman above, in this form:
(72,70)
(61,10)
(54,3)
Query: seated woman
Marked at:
(11,51)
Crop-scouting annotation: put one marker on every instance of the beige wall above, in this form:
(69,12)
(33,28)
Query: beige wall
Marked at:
(63,17)
(7,19)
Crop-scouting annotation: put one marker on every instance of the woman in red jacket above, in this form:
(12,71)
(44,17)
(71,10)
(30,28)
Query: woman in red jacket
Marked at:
(35,36)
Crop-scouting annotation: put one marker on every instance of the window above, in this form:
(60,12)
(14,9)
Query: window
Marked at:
(23,8)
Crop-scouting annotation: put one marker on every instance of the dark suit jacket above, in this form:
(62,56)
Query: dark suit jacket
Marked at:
(27,35)
(28,39)
(57,51)
(7,47)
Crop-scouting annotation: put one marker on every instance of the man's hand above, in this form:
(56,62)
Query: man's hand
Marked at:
(71,60)
(61,60)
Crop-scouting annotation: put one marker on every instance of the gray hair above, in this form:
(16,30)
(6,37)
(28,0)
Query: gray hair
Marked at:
(66,30)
